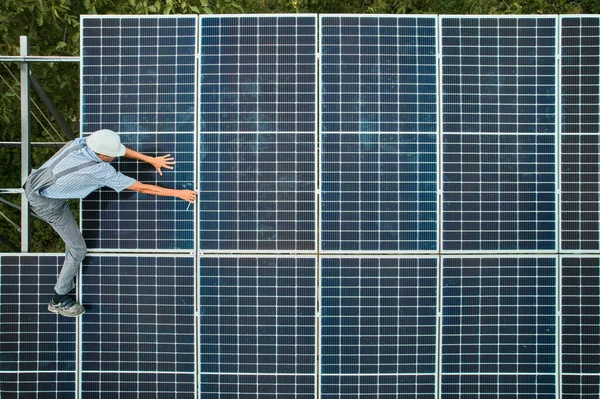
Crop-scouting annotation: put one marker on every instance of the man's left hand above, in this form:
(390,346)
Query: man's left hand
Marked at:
(163,162)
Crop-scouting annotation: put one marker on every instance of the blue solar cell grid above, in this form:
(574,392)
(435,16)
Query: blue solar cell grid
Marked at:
(257,326)
(580,209)
(580,74)
(257,111)
(378,326)
(257,73)
(138,78)
(498,81)
(378,141)
(499,324)
(378,74)
(138,333)
(34,361)
(499,192)
(580,318)
(580,126)
(498,74)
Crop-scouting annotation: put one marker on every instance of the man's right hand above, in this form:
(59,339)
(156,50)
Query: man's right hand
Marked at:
(187,195)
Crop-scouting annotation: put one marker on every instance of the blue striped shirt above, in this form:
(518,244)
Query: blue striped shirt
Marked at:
(81,183)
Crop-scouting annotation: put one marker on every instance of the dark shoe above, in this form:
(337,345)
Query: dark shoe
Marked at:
(67,307)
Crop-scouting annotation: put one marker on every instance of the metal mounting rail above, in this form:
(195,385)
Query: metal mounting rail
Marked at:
(37,58)
(11,191)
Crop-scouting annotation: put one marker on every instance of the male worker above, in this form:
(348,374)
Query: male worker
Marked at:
(80,167)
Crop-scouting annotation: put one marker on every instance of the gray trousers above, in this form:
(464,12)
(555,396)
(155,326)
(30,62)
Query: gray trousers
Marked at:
(57,213)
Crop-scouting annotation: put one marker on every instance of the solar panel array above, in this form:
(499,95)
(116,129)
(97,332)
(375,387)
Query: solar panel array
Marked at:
(389,206)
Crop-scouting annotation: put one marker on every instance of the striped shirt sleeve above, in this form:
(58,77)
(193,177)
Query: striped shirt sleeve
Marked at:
(109,177)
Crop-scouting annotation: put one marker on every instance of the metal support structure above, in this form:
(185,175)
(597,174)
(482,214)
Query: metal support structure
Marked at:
(37,58)
(17,144)
(50,105)
(25,146)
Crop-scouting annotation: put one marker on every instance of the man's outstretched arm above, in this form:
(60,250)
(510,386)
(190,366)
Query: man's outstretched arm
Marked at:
(186,195)
(166,161)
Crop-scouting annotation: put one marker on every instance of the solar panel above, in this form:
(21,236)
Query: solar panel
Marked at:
(498,141)
(257,326)
(580,318)
(499,326)
(34,361)
(138,78)
(138,333)
(378,326)
(378,141)
(580,125)
(257,95)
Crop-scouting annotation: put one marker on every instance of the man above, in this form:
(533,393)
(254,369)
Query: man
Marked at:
(80,167)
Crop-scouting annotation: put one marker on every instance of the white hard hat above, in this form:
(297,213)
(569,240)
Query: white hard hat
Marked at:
(106,142)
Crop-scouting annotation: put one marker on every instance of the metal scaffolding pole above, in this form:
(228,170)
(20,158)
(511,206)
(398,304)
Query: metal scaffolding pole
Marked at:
(25,146)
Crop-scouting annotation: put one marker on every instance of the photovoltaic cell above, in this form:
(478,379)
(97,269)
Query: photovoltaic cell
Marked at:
(498,386)
(580,212)
(499,192)
(580,125)
(580,386)
(257,96)
(138,78)
(378,386)
(257,326)
(378,142)
(378,74)
(138,334)
(261,386)
(580,74)
(580,318)
(499,326)
(34,361)
(257,73)
(498,74)
(378,326)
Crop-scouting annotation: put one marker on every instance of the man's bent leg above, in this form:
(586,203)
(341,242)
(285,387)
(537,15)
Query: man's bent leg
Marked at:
(59,216)
(64,224)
